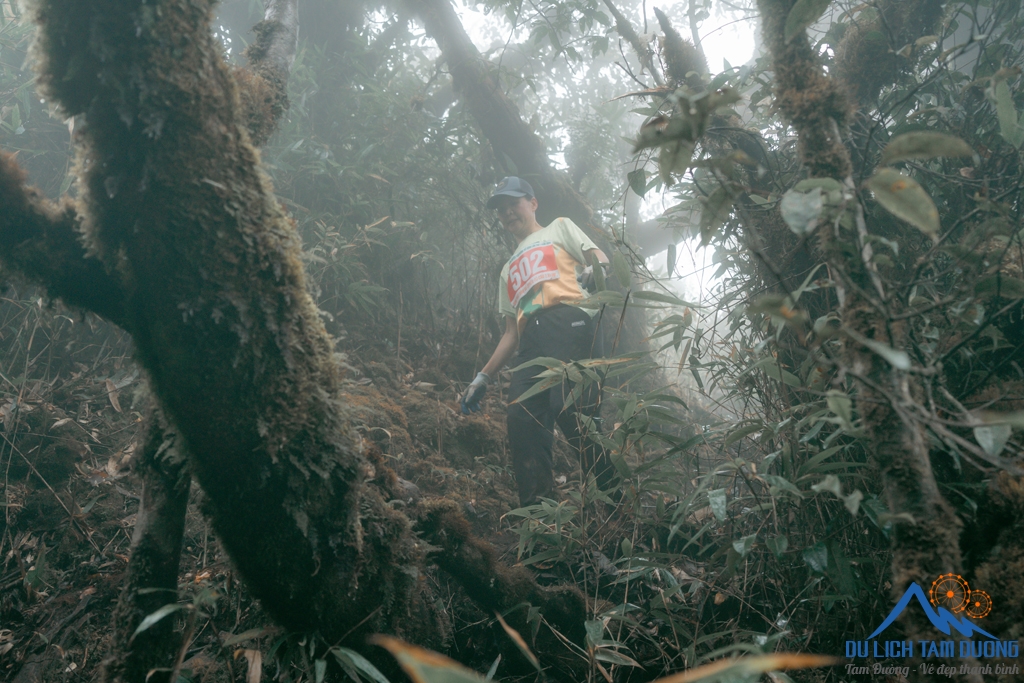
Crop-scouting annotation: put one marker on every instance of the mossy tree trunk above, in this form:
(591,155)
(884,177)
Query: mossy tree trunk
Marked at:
(177,238)
(152,579)
(499,117)
(925,540)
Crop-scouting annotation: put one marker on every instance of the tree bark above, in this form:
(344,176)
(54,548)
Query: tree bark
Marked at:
(176,209)
(152,579)
(927,544)
(41,240)
(499,117)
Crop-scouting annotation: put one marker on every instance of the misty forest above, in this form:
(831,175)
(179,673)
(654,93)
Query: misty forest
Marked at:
(248,273)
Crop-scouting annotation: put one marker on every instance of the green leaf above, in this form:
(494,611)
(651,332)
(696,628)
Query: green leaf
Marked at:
(777,545)
(597,269)
(638,181)
(742,432)
(1009,126)
(1014,419)
(801,210)
(674,158)
(716,210)
(246,635)
(361,664)
(732,670)
(605,654)
(320,670)
(595,631)
(904,198)
(840,404)
(803,14)
(824,184)
(156,616)
(924,145)
(816,557)
(716,499)
(830,484)
(744,545)
(663,298)
(542,385)
(520,643)
(621,268)
(899,359)
(992,438)
(1000,285)
(772,369)
(670,259)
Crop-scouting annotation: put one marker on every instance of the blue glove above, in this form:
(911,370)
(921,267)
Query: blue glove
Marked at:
(475,393)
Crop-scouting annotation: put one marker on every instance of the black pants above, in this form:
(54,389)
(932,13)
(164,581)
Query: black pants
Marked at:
(566,333)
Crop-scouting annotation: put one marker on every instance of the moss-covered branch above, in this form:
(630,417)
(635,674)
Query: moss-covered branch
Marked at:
(173,201)
(684,63)
(216,299)
(263,82)
(641,48)
(867,59)
(41,241)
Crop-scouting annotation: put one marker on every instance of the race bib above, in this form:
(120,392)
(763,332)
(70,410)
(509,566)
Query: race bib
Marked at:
(534,265)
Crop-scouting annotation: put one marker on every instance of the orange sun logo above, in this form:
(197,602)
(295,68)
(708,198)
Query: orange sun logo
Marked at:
(952,592)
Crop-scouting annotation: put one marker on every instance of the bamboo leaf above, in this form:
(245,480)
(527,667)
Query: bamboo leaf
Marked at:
(424,666)
(638,181)
(621,268)
(520,643)
(156,616)
(745,667)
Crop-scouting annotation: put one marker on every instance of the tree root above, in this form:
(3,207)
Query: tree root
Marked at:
(473,563)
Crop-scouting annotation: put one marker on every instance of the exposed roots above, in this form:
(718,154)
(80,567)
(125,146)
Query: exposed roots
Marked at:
(497,588)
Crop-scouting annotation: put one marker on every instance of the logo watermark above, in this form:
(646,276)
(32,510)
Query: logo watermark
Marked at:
(953,608)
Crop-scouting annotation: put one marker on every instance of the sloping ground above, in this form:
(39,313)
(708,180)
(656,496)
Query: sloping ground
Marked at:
(71,404)
(664,589)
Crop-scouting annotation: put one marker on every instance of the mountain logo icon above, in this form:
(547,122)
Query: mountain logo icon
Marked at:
(950,605)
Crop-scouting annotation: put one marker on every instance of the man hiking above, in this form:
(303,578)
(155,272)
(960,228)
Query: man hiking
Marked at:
(538,285)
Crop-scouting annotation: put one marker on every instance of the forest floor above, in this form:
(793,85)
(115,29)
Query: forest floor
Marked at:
(72,419)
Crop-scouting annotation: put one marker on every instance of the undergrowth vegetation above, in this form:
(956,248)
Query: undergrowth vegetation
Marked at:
(752,515)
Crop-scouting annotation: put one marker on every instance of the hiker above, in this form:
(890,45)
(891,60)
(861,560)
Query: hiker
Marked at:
(538,285)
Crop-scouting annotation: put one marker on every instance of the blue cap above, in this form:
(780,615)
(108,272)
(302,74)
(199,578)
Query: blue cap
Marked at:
(510,186)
